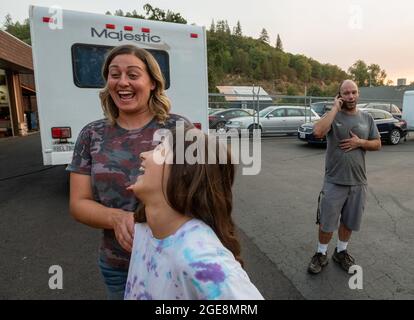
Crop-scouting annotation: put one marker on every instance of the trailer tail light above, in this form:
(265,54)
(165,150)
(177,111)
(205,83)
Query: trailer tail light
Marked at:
(110,26)
(61,133)
(197,125)
(146,30)
(47,19)
(128,28)
(194,35)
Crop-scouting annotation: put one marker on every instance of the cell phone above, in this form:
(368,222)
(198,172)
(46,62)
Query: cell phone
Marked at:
(344,103)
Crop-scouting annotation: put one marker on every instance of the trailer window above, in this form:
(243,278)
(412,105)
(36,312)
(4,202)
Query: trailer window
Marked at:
(87,62)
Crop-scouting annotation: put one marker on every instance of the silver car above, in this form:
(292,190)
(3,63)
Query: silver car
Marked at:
(275,119)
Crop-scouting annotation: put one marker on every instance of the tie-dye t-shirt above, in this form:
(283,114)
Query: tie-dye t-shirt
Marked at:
(110,155)
(190,264)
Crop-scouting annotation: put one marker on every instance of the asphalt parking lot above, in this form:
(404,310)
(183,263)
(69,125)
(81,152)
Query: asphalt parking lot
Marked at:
(274,211)
(37,232)
(277,209)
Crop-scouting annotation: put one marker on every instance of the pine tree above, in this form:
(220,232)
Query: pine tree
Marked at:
(227,27)
(119,13)
(8,21)
(17,29)
(213,26)
(279,44)
(264,36)
(238,30)
(220,26)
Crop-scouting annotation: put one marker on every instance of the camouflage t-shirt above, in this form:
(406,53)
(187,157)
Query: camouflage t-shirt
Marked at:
(110,155)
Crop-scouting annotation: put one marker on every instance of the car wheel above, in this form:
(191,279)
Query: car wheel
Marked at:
(394,137)
(252,127)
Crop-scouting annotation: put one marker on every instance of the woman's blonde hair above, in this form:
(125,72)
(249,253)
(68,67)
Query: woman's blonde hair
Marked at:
(158,103)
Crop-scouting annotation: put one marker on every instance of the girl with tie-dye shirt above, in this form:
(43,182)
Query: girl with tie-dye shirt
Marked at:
(184,240)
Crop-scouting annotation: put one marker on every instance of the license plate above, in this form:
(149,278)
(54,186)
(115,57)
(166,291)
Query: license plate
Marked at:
(63,147)
(302,135)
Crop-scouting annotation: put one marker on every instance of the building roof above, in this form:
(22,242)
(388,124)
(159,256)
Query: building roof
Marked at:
(243,93)
(15,54)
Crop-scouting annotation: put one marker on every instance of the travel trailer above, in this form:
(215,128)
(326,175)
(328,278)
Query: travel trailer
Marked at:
(69,49)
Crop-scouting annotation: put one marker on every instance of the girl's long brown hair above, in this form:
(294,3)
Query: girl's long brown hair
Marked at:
(204,191)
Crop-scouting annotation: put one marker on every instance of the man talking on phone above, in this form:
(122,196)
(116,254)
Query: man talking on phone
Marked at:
(350,133)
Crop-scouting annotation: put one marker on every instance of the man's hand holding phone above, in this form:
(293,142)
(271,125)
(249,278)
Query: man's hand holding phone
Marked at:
(338,103)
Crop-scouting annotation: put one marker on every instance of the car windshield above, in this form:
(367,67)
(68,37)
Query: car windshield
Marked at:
(251,111)
(321,107)
(318,108)
(215,111)
(265,111)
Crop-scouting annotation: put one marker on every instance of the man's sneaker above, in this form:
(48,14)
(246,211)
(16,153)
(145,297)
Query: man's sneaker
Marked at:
(318,261)
(344,259)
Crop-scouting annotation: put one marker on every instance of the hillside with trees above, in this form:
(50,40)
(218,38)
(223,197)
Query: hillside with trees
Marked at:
(235,59)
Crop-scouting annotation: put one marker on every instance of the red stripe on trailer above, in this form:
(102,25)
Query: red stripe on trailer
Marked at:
(194,35)
(48,19)
(147,30)
(110,26)
(128,28)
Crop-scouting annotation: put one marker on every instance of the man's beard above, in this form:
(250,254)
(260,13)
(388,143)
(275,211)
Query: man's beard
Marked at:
(350,105)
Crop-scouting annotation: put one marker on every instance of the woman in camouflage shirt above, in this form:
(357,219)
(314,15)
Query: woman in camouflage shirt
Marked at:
(106,156)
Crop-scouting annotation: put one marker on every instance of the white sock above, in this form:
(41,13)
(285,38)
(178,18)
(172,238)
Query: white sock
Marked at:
(322,248)
(341,246)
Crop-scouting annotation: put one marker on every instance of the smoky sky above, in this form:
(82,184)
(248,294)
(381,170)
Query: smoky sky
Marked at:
(330,31)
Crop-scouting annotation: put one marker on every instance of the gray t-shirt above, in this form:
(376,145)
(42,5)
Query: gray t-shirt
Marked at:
(348,168)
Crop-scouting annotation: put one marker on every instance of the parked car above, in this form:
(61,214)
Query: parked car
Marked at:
(391,108)
(217,120)
(390,128)
(275,119)
(322,107)
(212,110)
(251,111)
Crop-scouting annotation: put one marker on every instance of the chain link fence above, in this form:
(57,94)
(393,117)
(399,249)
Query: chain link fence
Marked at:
(259,102)
(255,102)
